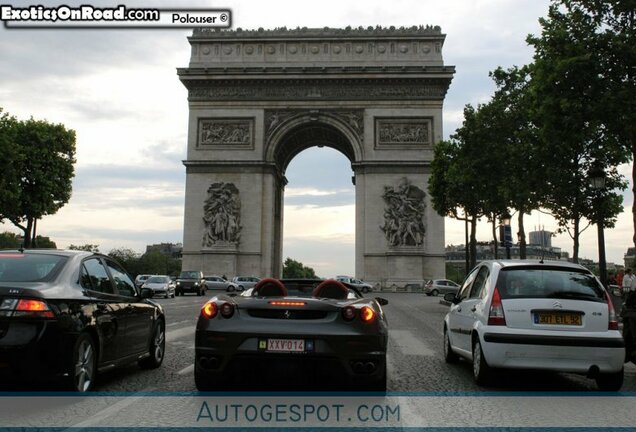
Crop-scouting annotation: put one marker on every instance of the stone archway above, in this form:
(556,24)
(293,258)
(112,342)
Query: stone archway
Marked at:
(258,98)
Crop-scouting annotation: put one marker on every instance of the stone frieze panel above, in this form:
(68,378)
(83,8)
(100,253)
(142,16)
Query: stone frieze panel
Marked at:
(226,134)
(403,132)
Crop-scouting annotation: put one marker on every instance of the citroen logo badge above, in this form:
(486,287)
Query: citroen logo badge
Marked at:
(557,305)
(287,314)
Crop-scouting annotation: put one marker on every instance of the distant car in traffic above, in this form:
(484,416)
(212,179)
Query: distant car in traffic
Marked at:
(435,287)
(245,282)
(542,315)
(287,333)
(190,282)
(219,283)
(357,283)
(65,315)
(141,279)
(161,285)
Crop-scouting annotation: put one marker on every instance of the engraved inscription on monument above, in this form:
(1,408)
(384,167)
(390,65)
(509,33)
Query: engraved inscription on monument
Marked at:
(392,133)
(222,215)
(226,133)
(404,214)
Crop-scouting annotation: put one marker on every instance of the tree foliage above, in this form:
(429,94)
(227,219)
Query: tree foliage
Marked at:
(85,247)
(293,269)
(37,161)
(570,86)
(153,262)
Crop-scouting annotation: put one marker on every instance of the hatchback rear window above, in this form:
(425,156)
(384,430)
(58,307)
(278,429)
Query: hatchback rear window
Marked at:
(15,267)
(548,282)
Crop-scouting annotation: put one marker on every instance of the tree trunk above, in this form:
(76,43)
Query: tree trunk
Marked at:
(575,237)
(634,188)
(473,242)
(522,237)
(34,236)
(27,233)
(494,235)
(466,244)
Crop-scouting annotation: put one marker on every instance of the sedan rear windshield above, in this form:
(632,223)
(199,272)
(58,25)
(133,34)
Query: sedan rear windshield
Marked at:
(549,282)
(158,279)
(18,267)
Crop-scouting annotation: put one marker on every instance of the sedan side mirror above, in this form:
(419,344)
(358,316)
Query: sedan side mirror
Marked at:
(382,301)
(147,293)
(451,298)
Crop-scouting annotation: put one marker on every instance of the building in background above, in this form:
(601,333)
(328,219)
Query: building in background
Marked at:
(172,250)
(541,238)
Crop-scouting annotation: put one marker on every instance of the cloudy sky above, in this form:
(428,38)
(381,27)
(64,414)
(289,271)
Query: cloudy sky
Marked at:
(119,90)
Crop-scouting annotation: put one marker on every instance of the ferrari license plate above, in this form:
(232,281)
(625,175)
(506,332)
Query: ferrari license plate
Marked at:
(573,319)
(285,345)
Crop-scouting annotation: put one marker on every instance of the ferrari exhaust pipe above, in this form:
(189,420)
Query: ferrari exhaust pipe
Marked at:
(369,367)
(209,362)
(358,367)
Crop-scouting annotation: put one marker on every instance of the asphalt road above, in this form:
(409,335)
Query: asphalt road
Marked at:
(415,361)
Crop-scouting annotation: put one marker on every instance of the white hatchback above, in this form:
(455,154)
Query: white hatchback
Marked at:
(540,315)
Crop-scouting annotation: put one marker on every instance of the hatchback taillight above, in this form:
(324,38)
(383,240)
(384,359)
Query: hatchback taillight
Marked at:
(612,321)
(496,315)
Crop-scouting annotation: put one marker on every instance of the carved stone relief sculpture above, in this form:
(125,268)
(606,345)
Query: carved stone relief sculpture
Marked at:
(404,214)
(225,132)
(405,132)
(222,215)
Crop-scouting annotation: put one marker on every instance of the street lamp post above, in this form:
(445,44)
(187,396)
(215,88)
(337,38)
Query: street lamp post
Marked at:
(505,233)
(597,180)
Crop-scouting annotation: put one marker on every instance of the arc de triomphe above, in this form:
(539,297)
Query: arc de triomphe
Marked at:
(258,98)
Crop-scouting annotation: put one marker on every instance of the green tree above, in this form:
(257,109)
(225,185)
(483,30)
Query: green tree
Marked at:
(9,240)
(570,84)
(9,161)
(127,258)
(85,247)
(296,270)
(40,182)
(44,243)
(520,180)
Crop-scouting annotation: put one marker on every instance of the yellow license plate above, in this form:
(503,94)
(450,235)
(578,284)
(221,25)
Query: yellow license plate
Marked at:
(557,318)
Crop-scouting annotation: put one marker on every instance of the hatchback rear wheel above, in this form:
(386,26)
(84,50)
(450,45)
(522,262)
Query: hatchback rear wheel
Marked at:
(482,373)
(610,381)
(449,354)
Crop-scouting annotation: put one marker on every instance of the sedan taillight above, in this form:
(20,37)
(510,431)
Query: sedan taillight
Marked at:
(25,308)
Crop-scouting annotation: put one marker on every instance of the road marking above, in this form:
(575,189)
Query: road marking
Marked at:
(409,344)
(179,322)
(186,370)
(98,418)
(173,335)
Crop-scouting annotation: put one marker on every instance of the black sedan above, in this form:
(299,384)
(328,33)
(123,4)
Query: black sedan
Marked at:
(65,315)
(290,334)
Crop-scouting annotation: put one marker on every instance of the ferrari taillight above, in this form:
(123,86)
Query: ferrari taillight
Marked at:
(367,314)
(227,310)
(209,310)
(349,313)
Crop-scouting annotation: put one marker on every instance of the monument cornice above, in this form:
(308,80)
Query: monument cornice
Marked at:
(318,71)
(349,32)
(372,88)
